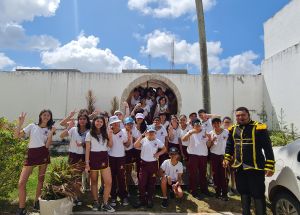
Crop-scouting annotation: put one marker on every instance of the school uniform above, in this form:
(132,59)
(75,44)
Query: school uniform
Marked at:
(117,161)
(132,154)
(175,141)
(148,168)
(37,153)
(76,150)
(217,155)
(207,125)
(172,170)
(161,134)
(98,154)
(183,132)
(198,151)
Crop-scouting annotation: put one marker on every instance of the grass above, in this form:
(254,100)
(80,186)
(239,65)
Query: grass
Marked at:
(187,205)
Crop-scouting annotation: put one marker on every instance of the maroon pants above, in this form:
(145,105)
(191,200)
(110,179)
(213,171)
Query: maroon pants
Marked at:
(197,165)
(147,179)
(117,166)
(219,174)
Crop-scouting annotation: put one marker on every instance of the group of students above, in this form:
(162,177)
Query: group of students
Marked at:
(108,145)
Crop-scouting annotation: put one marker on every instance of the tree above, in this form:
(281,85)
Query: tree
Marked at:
(203,56)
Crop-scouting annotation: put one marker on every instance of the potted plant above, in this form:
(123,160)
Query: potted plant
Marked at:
(60,189)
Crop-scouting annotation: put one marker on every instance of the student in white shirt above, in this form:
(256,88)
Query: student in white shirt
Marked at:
(162,135)
(184,128)
(171,172)
(117,160)
(198,152)
(40,138)
(96,158)
(149,145)
(77,146)
(162,106)
(217,146)
(174,134)
(142,107)
(163,120)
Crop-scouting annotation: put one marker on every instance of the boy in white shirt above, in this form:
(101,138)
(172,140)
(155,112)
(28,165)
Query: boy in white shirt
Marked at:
(217,147)
(149,145)
(171,172)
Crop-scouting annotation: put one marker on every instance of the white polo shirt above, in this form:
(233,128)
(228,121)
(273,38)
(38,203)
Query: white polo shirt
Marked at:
(135,134)
(219,145)
(171,170)
(118,148)
(149,148)
(176,133)
(96,146)
(197,144)
(184,132)
(166,124)
(161,134)
(207,125)
(37,136)
(76,140)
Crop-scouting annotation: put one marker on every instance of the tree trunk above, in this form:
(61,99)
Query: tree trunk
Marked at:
(203,56)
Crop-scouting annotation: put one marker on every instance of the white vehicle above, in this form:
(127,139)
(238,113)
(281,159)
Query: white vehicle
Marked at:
(283,188)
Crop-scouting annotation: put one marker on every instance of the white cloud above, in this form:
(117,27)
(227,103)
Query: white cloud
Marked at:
(168,8)
(159,45)
(85,55)
(18,11)
(14,12)
(25,67)
(13,36)
(5,61)
(244,63)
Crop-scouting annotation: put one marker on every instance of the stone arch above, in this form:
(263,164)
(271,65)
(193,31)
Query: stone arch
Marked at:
(153,77)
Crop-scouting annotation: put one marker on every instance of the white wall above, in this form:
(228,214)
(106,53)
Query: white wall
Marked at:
(283,29)
(60,91)
(282,77)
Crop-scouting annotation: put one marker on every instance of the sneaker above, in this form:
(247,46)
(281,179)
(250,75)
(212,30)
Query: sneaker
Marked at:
(218,196)
(113,202)
(196,196)
(21,211)
(225,198)
(125,202)
(164,203)
(108,208)
(36,205)
(150,204)
(95,206)
(139,204)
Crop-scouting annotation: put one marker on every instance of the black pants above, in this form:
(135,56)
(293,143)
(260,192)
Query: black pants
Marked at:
(251,184)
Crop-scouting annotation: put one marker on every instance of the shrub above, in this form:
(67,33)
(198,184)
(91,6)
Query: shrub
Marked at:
(12,154)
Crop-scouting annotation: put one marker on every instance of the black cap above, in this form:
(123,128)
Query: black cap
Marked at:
(196,121)
(173,150)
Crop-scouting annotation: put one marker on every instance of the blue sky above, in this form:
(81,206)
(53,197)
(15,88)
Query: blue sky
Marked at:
(110,35)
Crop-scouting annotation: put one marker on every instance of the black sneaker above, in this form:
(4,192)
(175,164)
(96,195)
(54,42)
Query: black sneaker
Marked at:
(139,204)
(95,206)
(36,205)
(225,198)
(108,208)
(125,202)
(196,196)
(150,204)
(218,195)
(164,203)
(113,202)
(21,211)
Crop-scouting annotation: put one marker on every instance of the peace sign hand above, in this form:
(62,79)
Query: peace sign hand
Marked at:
(22,118)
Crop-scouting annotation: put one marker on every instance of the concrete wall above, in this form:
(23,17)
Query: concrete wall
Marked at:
(282,30)
(282,78)
(61,91)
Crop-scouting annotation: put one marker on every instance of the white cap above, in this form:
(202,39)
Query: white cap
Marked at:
(114,119)
(139,116)
(118,111)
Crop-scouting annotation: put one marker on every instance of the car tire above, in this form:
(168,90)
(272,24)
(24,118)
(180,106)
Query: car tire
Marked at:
(285,203)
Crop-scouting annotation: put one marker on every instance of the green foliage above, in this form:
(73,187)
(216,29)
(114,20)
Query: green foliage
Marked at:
(62,181)
(12,154)
(284,135)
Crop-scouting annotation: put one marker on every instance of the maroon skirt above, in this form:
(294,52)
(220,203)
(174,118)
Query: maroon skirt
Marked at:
(37,156)
(75,158)
(98,160)
(133,155)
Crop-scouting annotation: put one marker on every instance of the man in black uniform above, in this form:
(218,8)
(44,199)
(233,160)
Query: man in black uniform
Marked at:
(244,148)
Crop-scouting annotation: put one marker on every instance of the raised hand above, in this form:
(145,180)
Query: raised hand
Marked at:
(96,112)
(22,118)
(72,114)
(53,129)
(125,105)
(71,124)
